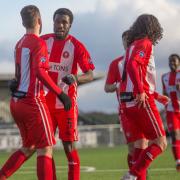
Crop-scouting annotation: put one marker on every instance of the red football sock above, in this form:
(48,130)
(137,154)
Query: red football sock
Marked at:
(176,149)
(44,168)
(74,165)
(12,164)
(136,154)
(129,160)
(145,159)
(54,169)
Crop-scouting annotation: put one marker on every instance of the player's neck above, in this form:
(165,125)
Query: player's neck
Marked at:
(33,31)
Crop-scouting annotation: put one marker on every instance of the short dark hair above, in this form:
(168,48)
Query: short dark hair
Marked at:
(146,25)
(64,11)
(174,55)
(29,14)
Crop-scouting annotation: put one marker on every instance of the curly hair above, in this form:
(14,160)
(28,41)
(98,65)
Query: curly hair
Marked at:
(146,25)
(64,11)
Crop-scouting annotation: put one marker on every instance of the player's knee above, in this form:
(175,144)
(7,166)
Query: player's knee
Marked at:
(68,146)
(28,151)
(175,135)
(162,143)
(46,151)
(130,148)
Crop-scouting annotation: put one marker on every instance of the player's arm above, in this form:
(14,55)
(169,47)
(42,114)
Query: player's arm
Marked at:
(163,99)
(110,88)
(163,87)
(40,67)
(85,63)
(85,77)
(134,64)
(111,82)
(79,79)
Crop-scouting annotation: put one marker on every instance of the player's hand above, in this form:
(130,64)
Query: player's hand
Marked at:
(178,86)
(141,100)
(13,84)
(65,100)
(69,79)
(163,99)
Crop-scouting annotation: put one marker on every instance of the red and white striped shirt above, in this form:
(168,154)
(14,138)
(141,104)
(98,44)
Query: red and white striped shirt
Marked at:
(65,56)
(169,82)
(141,53)
(31,64)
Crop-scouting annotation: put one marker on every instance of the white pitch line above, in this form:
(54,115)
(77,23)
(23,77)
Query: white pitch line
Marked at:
(90,169)
(31,169)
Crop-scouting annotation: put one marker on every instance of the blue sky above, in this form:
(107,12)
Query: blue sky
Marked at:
(99,25)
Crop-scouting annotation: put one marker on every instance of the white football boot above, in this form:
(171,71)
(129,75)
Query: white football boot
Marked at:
(129,176)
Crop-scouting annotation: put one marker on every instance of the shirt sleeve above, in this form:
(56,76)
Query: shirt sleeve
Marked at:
(133,71)
(140,52)
(40,57)
(84,59)
(112,74)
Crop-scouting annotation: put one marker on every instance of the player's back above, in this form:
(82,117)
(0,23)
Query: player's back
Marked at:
(30,54)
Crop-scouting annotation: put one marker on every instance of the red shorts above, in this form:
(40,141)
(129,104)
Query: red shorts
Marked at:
(66,121)
(129,129)
(34,122)
(143,122)
(173,120)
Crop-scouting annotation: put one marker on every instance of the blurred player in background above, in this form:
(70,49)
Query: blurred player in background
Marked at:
(28,104)
(112,84)
(137,93)
(66,53)
(171,88)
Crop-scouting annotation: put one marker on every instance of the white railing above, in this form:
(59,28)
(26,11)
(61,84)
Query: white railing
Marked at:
(89,136)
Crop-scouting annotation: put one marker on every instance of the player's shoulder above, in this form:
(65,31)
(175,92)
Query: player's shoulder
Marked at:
(165,75)
(143,42)
(47,36)
(116,61)
(77,43)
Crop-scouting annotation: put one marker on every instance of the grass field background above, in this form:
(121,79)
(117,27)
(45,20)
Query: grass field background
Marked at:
(100,164)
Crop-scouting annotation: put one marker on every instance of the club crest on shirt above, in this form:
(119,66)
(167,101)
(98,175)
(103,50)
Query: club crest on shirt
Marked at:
(43,59)
(65,54)
(141,54)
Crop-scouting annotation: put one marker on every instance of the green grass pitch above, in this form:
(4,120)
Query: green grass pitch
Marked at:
(100,164)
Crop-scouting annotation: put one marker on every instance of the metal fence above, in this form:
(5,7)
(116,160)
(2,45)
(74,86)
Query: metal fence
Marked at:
(89,136)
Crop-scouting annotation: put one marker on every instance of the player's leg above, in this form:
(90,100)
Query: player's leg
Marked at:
(148,121)
(21,155)
(173,123)
(124,125)
(15,161)
(55,125)
(151,124)
(131,136)
(73,160)
(67,124)
(130,154)
(43,137)
(139,146)
(44,163)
